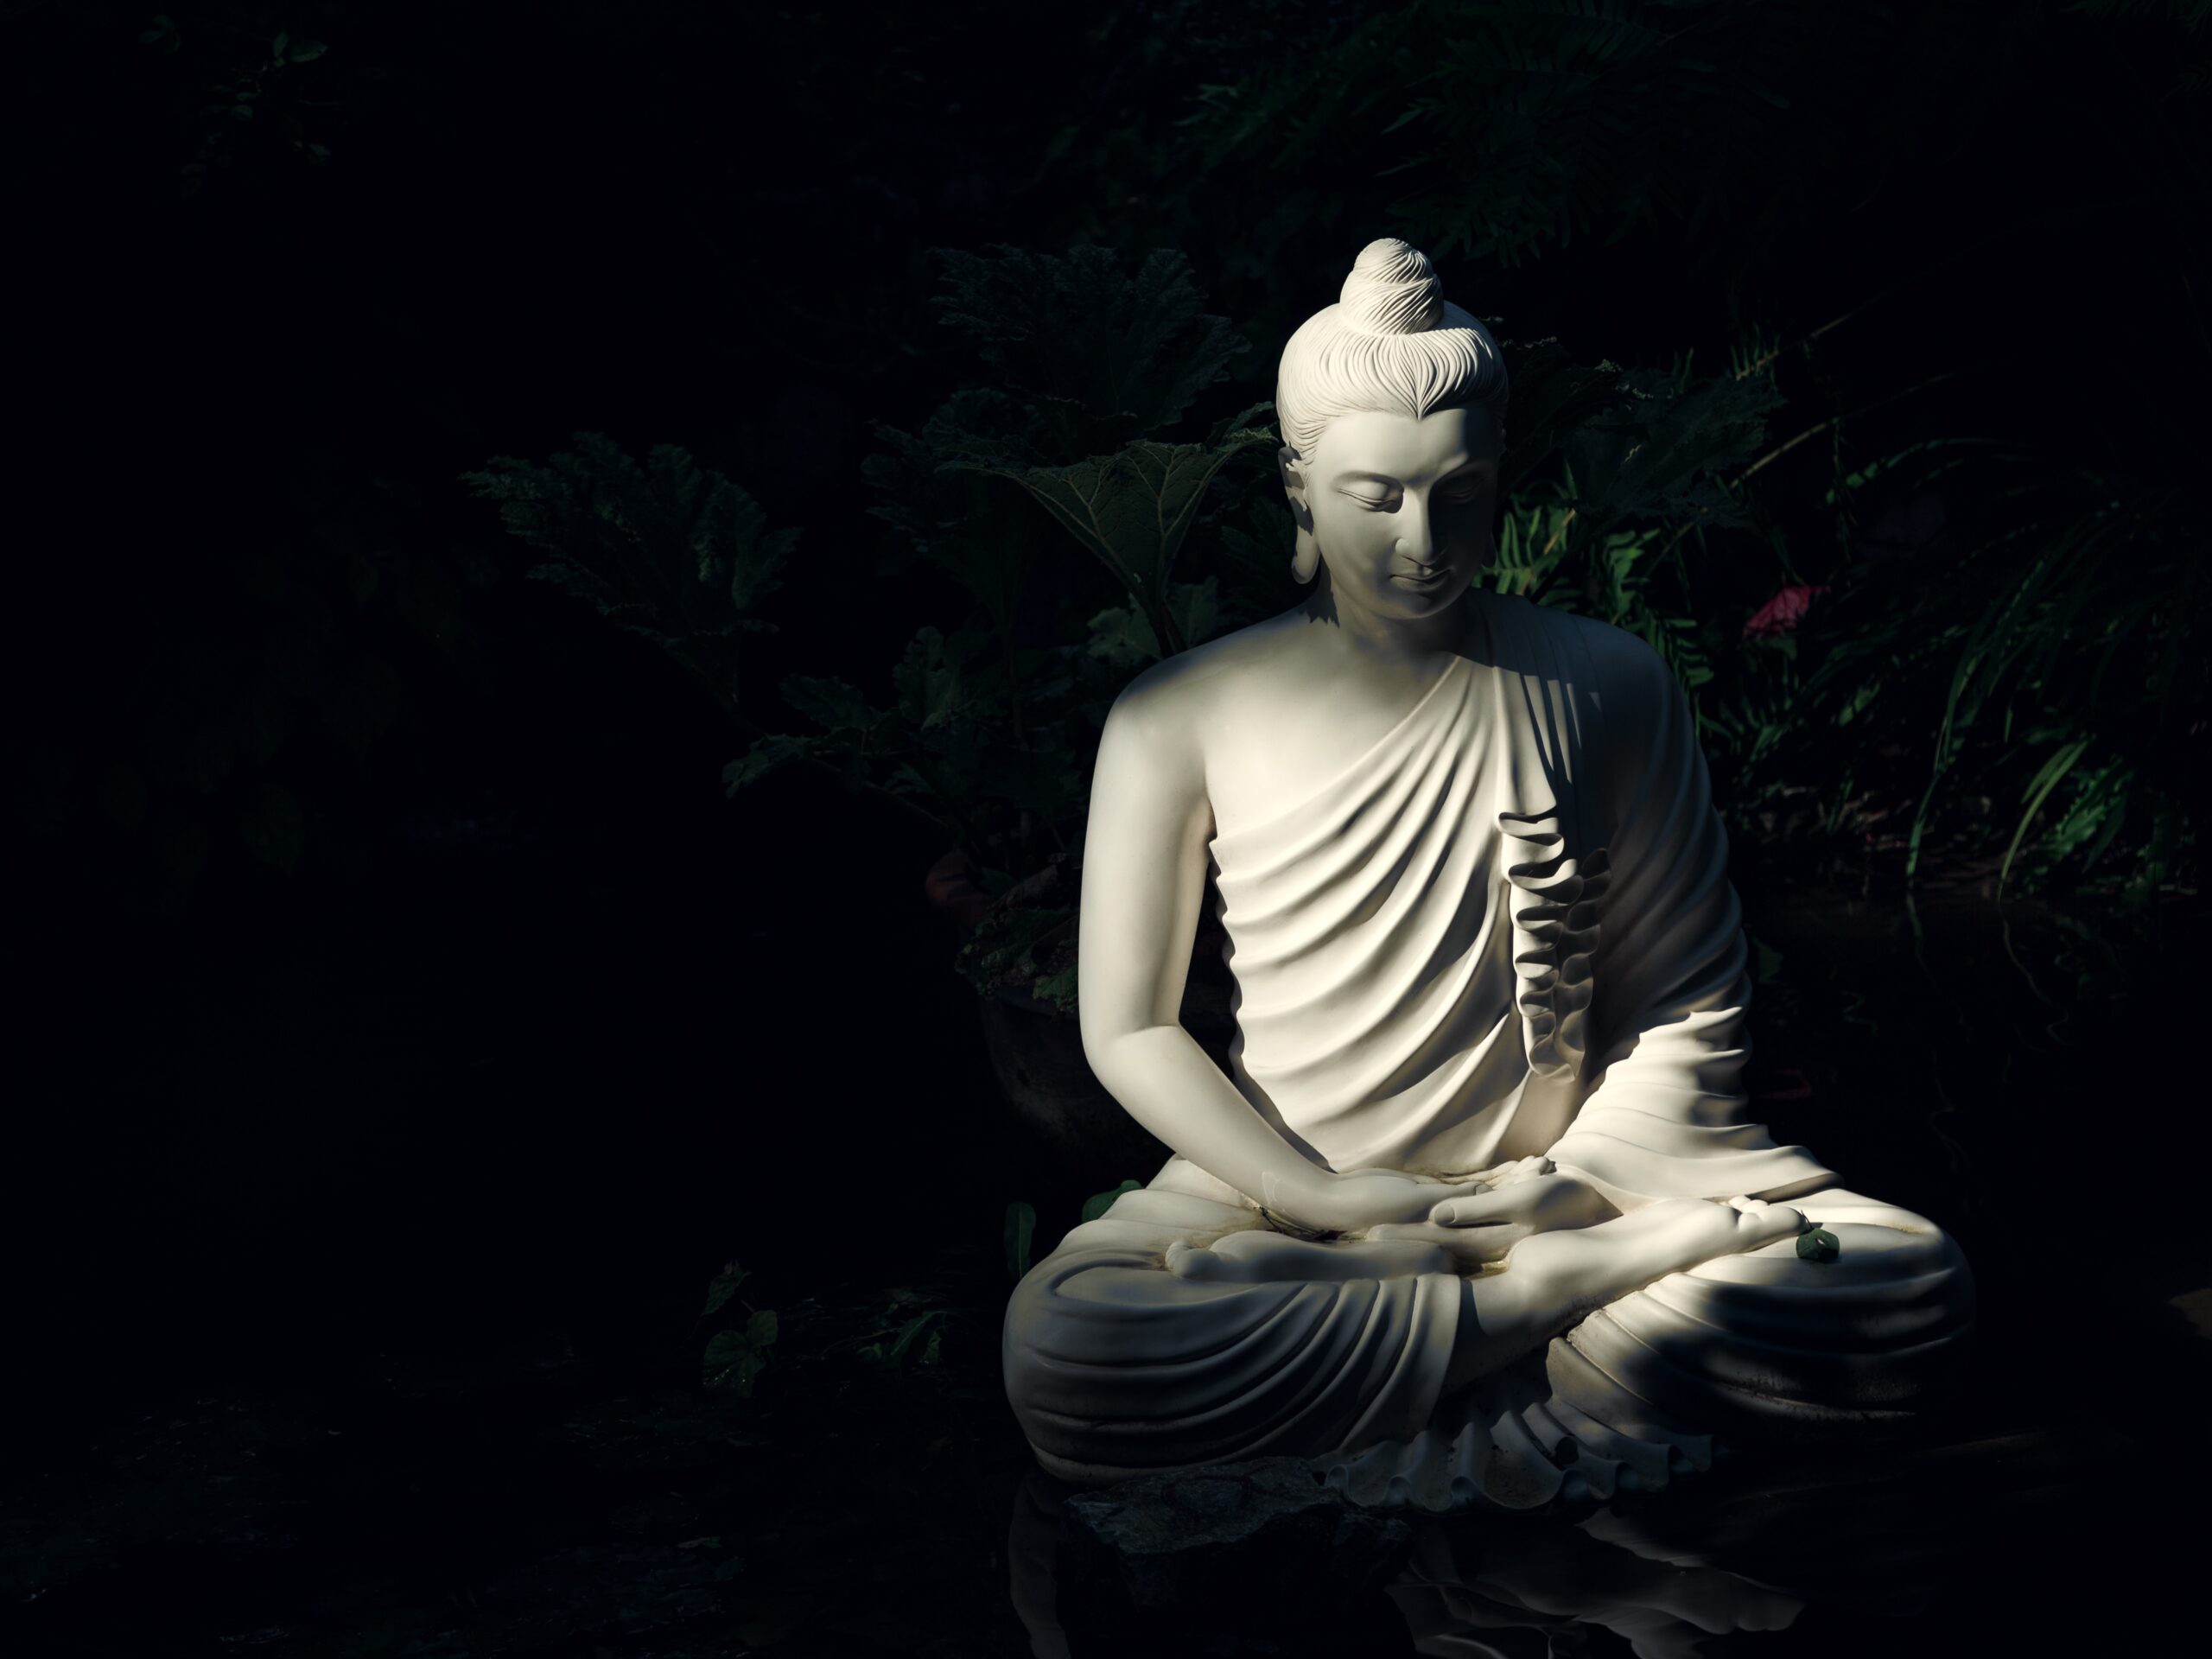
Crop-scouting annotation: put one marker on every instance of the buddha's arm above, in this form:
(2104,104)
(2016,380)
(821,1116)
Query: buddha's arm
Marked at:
(1667,1117)
(1143,881)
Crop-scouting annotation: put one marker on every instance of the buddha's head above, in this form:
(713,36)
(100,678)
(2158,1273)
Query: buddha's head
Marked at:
(1391,401)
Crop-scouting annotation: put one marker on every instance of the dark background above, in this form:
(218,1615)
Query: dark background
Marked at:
(537,1028)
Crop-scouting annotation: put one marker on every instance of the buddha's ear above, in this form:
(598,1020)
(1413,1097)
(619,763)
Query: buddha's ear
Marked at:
(1293,485)
(1305,557)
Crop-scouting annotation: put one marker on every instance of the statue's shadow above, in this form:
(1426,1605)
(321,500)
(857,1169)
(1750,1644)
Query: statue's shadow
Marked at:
(1855,1540)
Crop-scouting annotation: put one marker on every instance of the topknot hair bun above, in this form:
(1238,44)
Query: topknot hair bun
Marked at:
(1393,343)
(1392,290)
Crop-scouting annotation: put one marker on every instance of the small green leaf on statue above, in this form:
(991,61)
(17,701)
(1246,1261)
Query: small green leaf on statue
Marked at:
(1819,1245)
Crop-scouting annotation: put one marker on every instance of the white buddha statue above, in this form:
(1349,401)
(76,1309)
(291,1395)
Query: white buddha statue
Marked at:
(1477,1216)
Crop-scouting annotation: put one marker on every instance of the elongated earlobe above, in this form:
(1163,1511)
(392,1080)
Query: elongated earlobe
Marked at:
(1305,558)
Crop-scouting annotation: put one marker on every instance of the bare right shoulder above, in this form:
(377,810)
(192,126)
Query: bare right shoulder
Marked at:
(1177,706)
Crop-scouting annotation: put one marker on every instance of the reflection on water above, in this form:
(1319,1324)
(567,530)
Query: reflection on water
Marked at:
(1828,1551)
(1472,1601)
(1876,1536)
(2020,1075)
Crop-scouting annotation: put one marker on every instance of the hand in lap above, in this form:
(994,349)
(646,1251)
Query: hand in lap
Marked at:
(1506,1205)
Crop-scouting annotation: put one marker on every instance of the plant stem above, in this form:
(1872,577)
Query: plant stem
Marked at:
(1784,449)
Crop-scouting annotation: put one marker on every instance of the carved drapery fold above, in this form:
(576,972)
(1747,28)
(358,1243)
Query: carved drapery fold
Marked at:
(1556,909)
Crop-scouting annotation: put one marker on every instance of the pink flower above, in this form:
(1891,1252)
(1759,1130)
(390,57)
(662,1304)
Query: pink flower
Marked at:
(1781,614)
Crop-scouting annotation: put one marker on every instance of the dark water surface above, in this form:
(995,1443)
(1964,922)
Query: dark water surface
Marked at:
(363,1297)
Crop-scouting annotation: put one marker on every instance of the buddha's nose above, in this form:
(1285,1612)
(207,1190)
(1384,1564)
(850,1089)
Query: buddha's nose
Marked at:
(1416,538)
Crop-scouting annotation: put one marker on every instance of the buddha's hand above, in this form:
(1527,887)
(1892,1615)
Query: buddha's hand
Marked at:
(1521,1169)
(1356,1200)
(1510,1203)
(1530,1197)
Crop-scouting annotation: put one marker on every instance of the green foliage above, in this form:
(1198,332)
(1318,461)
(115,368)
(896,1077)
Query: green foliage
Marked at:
(722,1287)
(241,92)
(1660,454)
(895,1332)
(1020,1234)
(991,734)
(981,743)
(669,551)
(2075,650)
(909,1329)
(985,735)
(735,1359)
(1132,510)
(920,1336)
(2069,673)
(1638,465)
(1554,398)
(1124,636)
(1582,123)
(1026,947)
(1087,357)
(1086,362)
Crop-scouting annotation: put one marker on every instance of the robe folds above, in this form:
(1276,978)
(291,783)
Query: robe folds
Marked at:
(1505,929)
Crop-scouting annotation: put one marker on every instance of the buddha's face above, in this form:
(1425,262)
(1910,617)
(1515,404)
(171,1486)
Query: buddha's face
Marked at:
(1400,507)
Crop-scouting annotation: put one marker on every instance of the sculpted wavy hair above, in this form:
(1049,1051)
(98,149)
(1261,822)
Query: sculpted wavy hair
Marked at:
(1392,343)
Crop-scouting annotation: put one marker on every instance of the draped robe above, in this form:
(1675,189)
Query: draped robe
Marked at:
(1506,929)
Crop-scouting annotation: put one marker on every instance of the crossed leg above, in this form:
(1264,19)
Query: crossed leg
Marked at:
(1553,1279)
(1550,1279)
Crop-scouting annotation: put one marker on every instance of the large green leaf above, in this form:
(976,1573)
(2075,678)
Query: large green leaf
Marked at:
(1133,510)
(984,537)
(1124,636)
(722,1287)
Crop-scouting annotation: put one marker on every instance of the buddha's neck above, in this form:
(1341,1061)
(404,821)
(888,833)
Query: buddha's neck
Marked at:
(1411,640)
